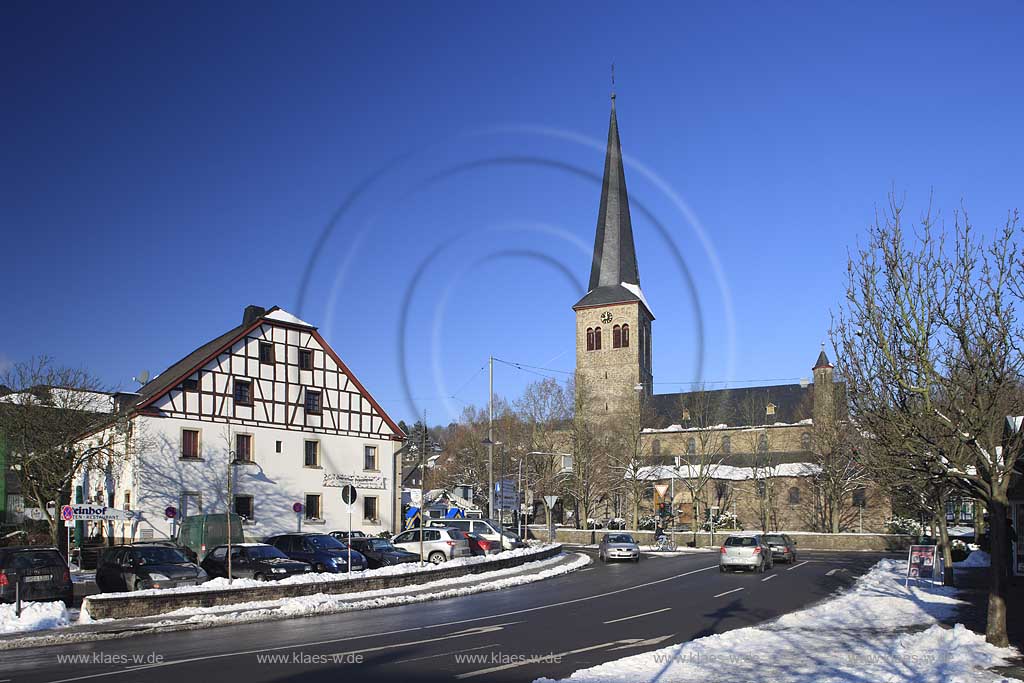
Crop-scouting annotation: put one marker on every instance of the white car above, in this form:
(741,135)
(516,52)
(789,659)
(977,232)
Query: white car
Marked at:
(439,544)
(745,551)
(484,527)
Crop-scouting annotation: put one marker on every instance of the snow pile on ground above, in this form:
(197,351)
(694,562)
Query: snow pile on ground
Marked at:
(977,558)
(322,603)
(312,577)
(35,616)
(862,635)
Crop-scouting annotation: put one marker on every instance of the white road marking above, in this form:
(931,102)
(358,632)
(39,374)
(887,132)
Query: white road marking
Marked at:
(294,646)
(831,572)
(797,565)
(768,577)
(643,643)
(637,616)
(443,654)
(469,632)
(734,590)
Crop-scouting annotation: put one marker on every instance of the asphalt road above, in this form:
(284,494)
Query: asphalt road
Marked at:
(550,628)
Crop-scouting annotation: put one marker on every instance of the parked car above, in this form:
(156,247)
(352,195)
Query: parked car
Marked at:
(253,561)
(782,546)
(745,550)
(324,552)
(142,566)
(202,533)
(42,572)
(478,545)
(439,544)
(487,528)
(379,552)
(344,535)
(618,546)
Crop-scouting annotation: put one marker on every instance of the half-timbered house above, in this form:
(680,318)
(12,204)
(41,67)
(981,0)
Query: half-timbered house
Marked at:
(269,412)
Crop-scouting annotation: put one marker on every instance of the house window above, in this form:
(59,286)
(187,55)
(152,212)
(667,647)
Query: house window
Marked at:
(369,457)
(277,447)
(243,447)
(616,337)
(769,409)
(597,338)
(313,506)
(370,509)
(243,392)
(244,507)
(267,353)
(860,497)
(305,359)
(721,490)
(805,441)
(656,447)
(590,339)
(127,500)
(313,402)
(191,384)
(190,443)
(762,443)
(312,454)
(625,336)
(761,489)
(727,444)
(794,496)
(691,446)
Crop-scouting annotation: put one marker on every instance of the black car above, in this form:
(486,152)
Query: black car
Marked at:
(380,553)
(323,551)
(253,561)
(42,573)
(344,535)
(141,566)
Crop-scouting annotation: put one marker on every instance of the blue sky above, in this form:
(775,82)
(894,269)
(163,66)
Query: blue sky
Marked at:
(166,164)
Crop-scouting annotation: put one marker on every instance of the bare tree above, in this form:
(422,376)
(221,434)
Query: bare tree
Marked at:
(545,410)
(704,410)
(44,419)
(589,481)
(841,472)
(629,455)
(930,349)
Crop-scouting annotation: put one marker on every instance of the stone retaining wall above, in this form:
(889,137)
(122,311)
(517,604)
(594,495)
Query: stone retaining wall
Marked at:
(808,541)
(125,605)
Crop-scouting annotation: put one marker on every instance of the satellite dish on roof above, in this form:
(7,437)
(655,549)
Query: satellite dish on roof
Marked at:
(142,377)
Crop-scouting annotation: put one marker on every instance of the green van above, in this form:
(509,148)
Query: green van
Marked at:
(201,533)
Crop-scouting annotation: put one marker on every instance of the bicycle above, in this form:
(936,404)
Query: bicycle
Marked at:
(664,544)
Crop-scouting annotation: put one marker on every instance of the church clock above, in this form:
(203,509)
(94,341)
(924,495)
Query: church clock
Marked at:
(606,317)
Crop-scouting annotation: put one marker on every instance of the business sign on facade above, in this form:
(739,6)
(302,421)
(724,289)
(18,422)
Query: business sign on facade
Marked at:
(360,481)
(921,562)
(95,513)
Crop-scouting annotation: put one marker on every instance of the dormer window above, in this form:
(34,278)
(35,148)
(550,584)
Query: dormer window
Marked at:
(685,414)
(769,409)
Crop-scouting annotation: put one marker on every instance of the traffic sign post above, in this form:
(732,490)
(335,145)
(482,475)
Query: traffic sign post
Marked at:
(297,509)
(349,495)
(550,502)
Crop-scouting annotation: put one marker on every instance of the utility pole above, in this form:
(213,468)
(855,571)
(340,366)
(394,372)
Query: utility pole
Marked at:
(227,517)
(490,436)
(423,487)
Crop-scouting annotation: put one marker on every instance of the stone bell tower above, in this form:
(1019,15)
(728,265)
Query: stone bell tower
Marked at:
(613,319)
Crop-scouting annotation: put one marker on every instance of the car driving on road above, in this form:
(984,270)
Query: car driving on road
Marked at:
(745,551)
(253,561)
(618,547)
(140,566)
(782,546)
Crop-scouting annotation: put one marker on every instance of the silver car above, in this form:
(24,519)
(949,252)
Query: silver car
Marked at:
(618,547)
(745,551)
(439,545)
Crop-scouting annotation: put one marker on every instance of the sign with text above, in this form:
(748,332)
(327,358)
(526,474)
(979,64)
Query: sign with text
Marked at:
(921,562)
(95,513)
(360,481)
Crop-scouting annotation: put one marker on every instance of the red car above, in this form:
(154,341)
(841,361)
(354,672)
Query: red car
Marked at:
(479,545)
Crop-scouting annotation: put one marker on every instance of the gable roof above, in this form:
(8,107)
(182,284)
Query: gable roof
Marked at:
(738,407)
(254,317)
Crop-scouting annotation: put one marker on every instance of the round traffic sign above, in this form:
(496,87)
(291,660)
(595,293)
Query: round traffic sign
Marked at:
(348,494)
(297,507)
(67,513)
(171,512)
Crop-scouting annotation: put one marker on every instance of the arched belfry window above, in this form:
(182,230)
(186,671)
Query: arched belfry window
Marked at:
(616,337)
(805,441)
(625,336)
(597,338)
(590,339)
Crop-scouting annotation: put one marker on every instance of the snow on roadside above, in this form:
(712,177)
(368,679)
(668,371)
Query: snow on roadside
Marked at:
(35,616)
(322,603)
(850,638)
(977,558)
(408,568)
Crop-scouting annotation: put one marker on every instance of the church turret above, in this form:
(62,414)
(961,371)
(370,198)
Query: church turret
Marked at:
(613,319)
(824,391)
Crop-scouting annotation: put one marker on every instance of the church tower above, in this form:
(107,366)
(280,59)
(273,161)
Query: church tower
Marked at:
(613,319)
(824,390)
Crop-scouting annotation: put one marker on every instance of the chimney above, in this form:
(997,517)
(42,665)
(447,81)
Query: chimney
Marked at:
(252,314)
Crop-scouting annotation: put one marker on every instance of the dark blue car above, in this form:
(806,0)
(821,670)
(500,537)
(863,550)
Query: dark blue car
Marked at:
(323,551)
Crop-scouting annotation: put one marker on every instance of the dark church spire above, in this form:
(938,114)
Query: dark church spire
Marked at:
(614,253)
